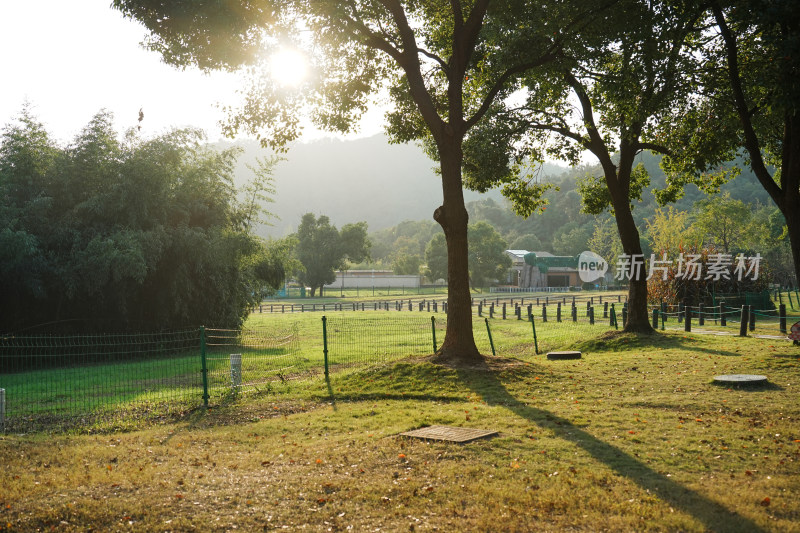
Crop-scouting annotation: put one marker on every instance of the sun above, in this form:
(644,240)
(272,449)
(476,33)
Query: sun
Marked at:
(288,67)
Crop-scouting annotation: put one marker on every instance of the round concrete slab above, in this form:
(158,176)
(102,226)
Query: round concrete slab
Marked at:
(563,355)
(741,379)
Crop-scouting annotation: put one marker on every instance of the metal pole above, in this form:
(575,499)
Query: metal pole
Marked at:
(203,365)
(489,331)
(325,342)
(433,332)
(535,341)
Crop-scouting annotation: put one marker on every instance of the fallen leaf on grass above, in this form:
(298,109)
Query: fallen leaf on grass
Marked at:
(765,502)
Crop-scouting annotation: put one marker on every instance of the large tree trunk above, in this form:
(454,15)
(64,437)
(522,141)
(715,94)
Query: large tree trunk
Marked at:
(638,319)
(459,343)
(618,183)
(792,217)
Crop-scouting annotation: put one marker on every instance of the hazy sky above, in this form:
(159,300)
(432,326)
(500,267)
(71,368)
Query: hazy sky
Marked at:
(71,59)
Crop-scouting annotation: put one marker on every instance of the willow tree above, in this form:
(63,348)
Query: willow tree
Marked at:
(442,63)
(605,95)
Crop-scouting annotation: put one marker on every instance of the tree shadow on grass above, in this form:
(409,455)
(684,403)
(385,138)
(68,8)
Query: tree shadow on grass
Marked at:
(714,516)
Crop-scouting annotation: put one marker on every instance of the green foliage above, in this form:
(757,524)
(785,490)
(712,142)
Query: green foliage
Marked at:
(488,261)
(112,235)
(436,258)
(528,242)
(321,249)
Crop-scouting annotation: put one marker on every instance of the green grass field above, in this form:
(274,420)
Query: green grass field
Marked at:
(633,437)
(121,393)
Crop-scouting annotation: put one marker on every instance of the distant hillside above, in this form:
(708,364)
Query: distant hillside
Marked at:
(363,179)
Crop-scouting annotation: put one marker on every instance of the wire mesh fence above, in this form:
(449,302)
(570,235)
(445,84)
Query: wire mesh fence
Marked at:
(87,381)
(251,359)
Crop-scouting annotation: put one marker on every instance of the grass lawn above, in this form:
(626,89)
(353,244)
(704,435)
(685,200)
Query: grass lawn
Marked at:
(633,437)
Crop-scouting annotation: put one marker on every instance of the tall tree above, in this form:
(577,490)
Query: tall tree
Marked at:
(603,96)
(321,249)
(750,103)
(445,63)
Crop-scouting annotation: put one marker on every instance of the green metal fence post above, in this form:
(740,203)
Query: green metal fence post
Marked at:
(433,332)
(535,341)
(204,365)
(489,331)
(325,342)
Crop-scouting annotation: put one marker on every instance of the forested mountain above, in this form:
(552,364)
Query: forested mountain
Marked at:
(349,181)
(394,189)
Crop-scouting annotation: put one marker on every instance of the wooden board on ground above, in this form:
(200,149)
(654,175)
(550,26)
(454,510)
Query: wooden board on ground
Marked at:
(563,355)
(450,434)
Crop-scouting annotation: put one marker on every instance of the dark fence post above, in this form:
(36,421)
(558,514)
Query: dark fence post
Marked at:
(743,321)
(504,310)
(655,318)
(433,332)
(752,318)
(687,322)
(590,312)
(723,320)
(325,343)
(574,313)
(701,319)
(544,313)
(489,331)
(558,312)
(782,317)
(605,310)
(535,341)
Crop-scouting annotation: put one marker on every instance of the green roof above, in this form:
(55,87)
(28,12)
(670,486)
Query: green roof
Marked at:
(546,263)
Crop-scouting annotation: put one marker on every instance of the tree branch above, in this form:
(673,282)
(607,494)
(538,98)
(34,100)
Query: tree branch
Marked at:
(751,142)
(653,147)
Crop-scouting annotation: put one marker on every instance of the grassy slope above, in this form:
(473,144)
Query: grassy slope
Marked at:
(632,437)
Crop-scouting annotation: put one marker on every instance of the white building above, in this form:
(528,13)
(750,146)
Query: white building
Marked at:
(366,279)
